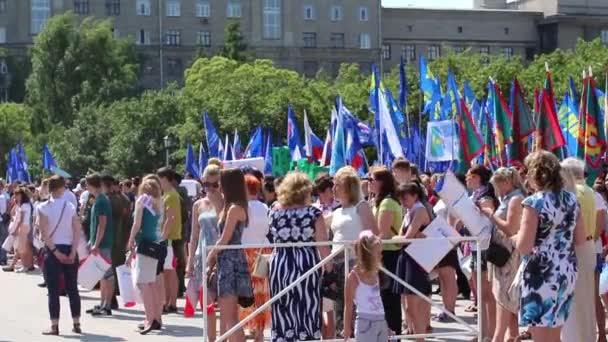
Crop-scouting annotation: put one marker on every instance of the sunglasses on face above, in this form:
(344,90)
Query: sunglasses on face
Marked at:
(211,185)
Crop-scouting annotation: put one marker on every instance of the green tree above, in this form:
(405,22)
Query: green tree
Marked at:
(14,128)
(235,46)
(75,64)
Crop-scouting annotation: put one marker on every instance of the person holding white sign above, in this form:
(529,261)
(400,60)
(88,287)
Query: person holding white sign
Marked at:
(420,214)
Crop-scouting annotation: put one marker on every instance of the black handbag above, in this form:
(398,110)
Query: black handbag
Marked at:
(497,254)
(152,250)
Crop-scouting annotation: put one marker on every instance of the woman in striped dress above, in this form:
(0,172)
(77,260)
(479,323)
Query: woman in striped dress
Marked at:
(296,316)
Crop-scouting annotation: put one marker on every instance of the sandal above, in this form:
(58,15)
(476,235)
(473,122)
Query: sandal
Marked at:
(524,336)
(471,308)
(76,329)
(53,331)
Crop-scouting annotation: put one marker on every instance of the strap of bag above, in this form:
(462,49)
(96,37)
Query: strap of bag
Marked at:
(59,221)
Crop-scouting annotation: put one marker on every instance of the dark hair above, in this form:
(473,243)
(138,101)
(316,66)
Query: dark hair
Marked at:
(401,163)
(277,181)
(232,182)
(167,173)
(322,183)
(127,183)
(387,189)
(413,188)
(258,174)
(177,178)
(269,184)
(483,172)
(94,180)
(136,181)
(56,182)
(462,178)
(25,194)
(107,181)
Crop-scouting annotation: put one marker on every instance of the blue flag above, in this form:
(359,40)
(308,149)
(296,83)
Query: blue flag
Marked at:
(236,146)
(268,155)
(293,136)
(202,158)
(338,151)
(48,161)
(192,163)
(255,147)
(213,139)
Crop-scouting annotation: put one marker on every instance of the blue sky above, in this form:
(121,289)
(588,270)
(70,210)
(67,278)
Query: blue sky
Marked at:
(428,3)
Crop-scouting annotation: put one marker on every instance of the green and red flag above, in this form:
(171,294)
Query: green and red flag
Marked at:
(503,123)
(548,135)
(591,136)
(471,144)
(522,125)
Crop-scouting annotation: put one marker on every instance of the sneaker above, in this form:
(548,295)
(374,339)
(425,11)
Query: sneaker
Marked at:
(95,308)
(21,270)
(443,318)
(8,268)
(102,312)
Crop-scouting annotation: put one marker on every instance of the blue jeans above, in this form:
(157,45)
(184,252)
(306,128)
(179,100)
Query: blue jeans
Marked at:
(53,269)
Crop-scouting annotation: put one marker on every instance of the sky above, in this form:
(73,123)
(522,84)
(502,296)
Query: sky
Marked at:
(429,3)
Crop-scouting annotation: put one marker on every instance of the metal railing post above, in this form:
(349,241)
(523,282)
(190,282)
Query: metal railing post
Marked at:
(204,286)
(479,295)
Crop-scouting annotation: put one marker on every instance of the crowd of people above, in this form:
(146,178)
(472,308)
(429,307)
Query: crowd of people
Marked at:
(540,271)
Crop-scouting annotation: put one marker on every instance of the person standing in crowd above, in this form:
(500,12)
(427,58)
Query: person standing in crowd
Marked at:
(147,209)
(204,233)
(86,204)
(172,230)
(419,216)
(348,221)
(60,228)
(185,205)
(23,226)
(478,181)
(389,215)
(268,190)
(233,279)
(551,226)
(69,196)
(294,219)
(363,290)
(506,219)
(125,188)
(102,235)
(581,324)
(600,311)
(121,225)
(256,233)
(4,220)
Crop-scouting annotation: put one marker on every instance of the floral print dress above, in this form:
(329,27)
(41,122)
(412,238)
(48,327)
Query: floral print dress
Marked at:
(296,316)
(549,271)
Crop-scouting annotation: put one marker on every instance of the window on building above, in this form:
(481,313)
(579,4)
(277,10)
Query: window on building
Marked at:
(40,14)
(458,48)
(410,28)
(363,14)
(386,51)
(112,7)
(459,29)
(143,37)
(604,36)
(115,33)
(234,9)
(174,65)
(337,40)
(203,38)
(310,39)
(203,9)
(2,6)
(434,52)
(272,19)
(174,8)
(311,68)
(335,13)
(81,7)
(173,37)
(484,50)
(409,52)
(530,53)
(2,35)
(309,12)
(365,41)
(507,52)
(506,31)
(144,7)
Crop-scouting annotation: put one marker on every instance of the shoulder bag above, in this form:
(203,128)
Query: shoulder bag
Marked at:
(43,253)
(497,254)
(261,265)
(152,250)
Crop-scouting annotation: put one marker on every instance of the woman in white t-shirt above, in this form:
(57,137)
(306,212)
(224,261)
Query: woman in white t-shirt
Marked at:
(23,224)
(255,233)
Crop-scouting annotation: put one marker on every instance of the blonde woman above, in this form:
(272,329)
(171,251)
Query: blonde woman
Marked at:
(506,219)
(348,221)
(146,216)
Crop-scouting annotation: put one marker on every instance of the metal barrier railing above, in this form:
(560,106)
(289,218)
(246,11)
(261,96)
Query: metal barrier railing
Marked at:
(472,330)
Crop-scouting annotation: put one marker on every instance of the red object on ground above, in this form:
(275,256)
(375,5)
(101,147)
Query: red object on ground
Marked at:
(188,309)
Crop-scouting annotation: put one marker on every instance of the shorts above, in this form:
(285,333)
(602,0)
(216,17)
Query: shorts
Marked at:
(484,261)
(106,253)
(450,260)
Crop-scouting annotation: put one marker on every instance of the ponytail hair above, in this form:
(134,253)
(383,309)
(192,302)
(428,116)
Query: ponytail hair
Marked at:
(364,251)
(508,174)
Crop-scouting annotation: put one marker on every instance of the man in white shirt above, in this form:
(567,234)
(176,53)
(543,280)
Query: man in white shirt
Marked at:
(4,197)
(70,197)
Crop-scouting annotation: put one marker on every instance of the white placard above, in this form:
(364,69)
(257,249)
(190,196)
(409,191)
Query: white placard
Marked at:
(257,163)
(428,253)
(442,141)
(470,216)
(451,189)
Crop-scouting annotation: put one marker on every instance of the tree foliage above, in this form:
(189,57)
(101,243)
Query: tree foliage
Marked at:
(235,46)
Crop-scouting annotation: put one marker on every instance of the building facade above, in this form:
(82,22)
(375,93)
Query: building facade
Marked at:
(310,35)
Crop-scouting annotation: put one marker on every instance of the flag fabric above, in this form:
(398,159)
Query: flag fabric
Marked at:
(236,146)
(451,105)
(398,119)
(503,123)
(568,122)
(471,143)
(338,149)
(48,161)
(192,166)
(313,145)
(548,135)
(202,159)
(326,156)
(268,154)
(221,150)
(523,126)
(403,92)
(24,162)
(213,138)
(591,137)
(293,136)
(572,92)
(469,95)
(13,167)
(255,147)
(427,86)
(353,146)
(388,130)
